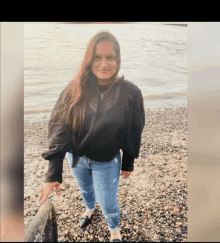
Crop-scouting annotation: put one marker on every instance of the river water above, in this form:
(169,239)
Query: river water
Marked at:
(153,56)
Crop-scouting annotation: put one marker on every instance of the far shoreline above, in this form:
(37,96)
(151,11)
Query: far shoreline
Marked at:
(177,24)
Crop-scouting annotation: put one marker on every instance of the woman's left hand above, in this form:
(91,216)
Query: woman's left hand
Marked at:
(126,174)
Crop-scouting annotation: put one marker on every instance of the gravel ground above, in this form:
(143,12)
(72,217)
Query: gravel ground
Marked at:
(153,200)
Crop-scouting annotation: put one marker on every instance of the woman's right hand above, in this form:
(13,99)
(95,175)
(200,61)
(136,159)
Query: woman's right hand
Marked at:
(46,190)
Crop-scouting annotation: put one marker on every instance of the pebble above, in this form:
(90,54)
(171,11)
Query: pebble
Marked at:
(100,238)
(62,217)
(166,208)
(66,232)
(34,212)
(125,212)
(91,237)
(175,210)
(26,196)
(61,238)
(26,212)
(81,233)
(149,204)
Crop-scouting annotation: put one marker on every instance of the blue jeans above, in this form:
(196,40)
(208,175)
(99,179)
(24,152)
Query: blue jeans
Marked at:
(98,181)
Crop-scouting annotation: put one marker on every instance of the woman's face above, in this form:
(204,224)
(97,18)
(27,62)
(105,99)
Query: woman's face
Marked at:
(104,64)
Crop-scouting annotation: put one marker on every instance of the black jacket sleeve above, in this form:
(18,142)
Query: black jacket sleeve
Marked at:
(136,124)
(59,136)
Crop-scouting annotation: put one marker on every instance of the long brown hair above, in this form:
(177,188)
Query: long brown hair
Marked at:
(74,109)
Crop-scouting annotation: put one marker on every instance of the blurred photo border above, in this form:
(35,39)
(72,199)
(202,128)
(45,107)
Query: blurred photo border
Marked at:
(12,132)
(203,43)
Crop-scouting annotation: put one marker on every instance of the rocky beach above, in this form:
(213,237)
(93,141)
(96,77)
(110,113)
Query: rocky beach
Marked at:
(153,200)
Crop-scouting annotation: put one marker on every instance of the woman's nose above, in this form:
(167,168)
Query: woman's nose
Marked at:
(104,62)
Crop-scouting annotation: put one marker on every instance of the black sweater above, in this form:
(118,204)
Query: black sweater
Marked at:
(112,123)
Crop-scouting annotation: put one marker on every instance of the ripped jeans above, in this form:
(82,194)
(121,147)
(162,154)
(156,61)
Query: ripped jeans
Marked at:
(98,181)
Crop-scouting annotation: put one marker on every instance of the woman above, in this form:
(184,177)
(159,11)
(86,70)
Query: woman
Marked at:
(96,115)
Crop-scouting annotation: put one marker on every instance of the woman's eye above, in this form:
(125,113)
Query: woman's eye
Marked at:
(96,57)
(111,58)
